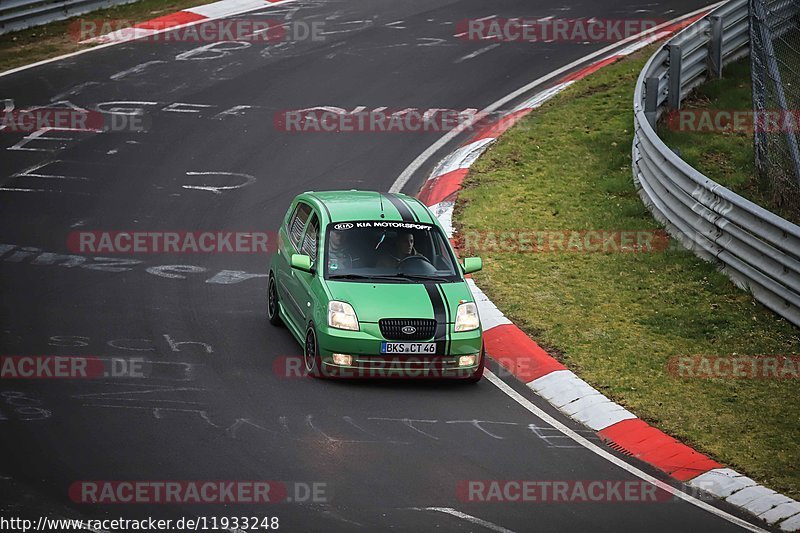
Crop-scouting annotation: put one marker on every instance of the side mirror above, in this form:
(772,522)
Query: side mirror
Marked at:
(302,262)
(472,264)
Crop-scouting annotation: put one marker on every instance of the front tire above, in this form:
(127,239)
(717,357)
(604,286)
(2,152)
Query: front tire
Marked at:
(272,302)
(311,356)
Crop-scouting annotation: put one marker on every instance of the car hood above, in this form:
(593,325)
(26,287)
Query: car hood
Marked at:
(373,301)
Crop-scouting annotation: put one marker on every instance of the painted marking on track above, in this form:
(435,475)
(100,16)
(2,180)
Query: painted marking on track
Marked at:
(464,516)
(31,173)
(476,53)
(74,90)
(111,264)
(344,429)
(235,111)
(432,41)
(134,70)
(249,180)
(148,391)
(15,189)
(328,438)
(155,32)
(127,110)
(179,107)
(215,50)
(594,448)
(477,424)
(39,135)
(409,422)
(25,407)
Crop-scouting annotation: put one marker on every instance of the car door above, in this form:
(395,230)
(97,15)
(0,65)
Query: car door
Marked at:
(310,247)
(286,277)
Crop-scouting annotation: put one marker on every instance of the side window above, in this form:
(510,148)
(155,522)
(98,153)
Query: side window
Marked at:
(297,222)
(311,239)
(442,257)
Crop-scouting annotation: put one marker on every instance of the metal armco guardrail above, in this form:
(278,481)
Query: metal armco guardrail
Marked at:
(759,250)
(21,14)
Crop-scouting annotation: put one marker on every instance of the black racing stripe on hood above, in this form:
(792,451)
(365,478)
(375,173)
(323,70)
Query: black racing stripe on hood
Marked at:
(448,318)
(440,314)
(405,212)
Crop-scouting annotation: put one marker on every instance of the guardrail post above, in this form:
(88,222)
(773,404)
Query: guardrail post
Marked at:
(651,100)
(675,61)
(715,46)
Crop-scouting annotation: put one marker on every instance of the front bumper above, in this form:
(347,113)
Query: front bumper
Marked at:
(368,361)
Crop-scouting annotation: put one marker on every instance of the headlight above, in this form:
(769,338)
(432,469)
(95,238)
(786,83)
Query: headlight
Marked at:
(467,317)
(342,316)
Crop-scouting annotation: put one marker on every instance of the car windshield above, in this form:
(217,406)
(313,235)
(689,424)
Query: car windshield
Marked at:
(388,251)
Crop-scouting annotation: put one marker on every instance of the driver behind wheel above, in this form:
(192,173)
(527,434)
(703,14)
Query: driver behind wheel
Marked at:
(402,248)
(339,257)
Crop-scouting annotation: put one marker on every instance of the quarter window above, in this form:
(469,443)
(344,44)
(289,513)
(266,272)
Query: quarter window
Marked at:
(297,222)
(311,239)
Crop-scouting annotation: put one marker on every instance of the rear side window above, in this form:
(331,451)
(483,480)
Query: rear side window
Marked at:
(297,222)
(311,239)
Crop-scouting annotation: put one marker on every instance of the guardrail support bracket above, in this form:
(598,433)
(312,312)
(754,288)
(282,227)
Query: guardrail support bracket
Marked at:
(715,46)
(675,61)
(651,100)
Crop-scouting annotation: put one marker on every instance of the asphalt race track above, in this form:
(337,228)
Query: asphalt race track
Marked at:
(214,404)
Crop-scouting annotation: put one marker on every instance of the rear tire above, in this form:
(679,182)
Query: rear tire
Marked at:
(272,302)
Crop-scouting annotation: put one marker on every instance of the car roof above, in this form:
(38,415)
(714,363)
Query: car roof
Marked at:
(342,206)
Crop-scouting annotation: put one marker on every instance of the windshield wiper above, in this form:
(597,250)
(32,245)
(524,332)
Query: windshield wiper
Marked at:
(362,276)
(390,277)
(423,277)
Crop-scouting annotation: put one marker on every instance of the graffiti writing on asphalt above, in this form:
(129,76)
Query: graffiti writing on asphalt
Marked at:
(11,253)
(350,429)
(21,406)
(133,344)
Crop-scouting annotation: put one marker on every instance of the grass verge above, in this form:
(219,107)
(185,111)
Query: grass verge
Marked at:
(54,39)
(727,156)
(617,318)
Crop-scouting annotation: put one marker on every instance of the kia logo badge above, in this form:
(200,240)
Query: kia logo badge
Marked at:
(409,330)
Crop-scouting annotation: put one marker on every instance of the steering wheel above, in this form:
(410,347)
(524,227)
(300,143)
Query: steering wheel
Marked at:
(418,259)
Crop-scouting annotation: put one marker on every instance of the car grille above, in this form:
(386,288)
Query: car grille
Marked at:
(392,328)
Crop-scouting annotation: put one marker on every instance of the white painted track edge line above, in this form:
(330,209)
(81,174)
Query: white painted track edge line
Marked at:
(415,165)
(594,448)
(114,43)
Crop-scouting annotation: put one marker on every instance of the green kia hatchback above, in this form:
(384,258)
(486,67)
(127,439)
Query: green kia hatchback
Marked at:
(369,285)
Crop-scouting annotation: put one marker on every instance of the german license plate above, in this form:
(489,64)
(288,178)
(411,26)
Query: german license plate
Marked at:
(408,347)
